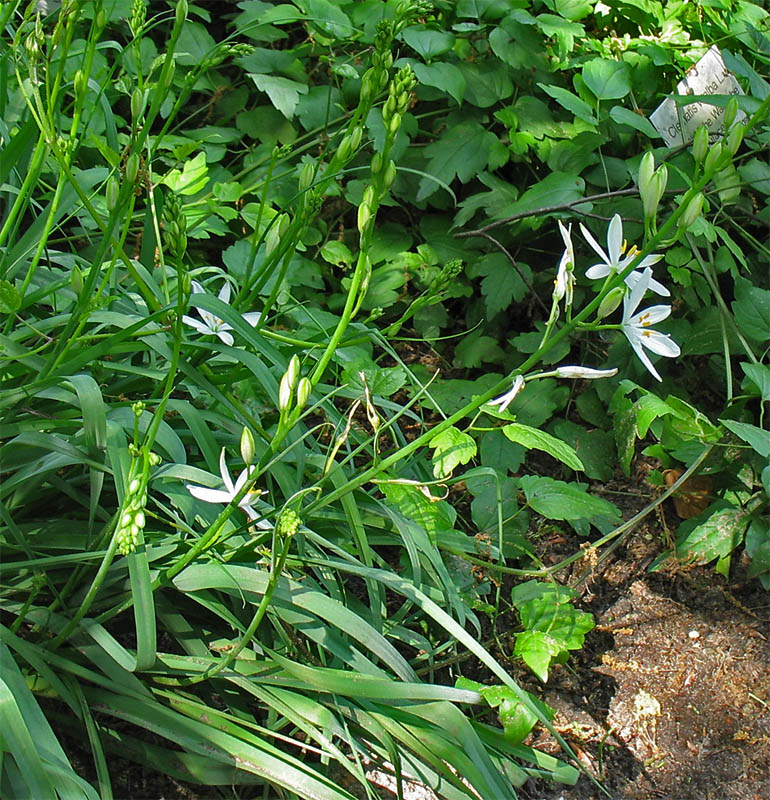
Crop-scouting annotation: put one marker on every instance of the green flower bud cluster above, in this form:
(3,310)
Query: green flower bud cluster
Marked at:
(138,16)
(174,226)
(131,522)
(288,524)
(399,96)
(448,273)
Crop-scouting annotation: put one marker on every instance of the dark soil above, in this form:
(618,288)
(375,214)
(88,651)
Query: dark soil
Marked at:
(671,696)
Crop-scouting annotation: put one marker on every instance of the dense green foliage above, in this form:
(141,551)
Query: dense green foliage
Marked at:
(264,269)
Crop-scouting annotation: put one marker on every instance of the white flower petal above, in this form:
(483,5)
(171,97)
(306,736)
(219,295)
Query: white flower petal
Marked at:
(252,317)
(208,495)
(224,293)
(197,288)
(225,473)
(197,324)
(651,315)
(506,399)
(225,337)
(631,301)
(615,239)
(639,350)
(596,246)
(660,343)
(598,271)
(633,278)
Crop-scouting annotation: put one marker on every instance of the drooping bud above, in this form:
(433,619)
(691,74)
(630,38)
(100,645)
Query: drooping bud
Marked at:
(583,372)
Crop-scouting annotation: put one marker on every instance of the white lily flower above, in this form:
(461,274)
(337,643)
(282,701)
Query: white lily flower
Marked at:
(506,399)
(211,325)
(565,276)
(231,490)
(619,256)
(583,372)
(636,325)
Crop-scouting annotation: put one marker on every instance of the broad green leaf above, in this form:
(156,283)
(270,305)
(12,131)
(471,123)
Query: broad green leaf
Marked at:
(461,152)
(337,253)
(717,537)
(552,625)
(450,448)
(488,82)
(759,374)
(283,93)
(752,310)
(445,76)
(758,549)
(555,189)
(434,516)
(560,29)
(191,180)
(625,116)
(534,439)
(329,18)
(194,45)
(607,79)
(571,102)
(517,720)
(559,500)
(503,283)
(571,9)
(429,43)
(758,438)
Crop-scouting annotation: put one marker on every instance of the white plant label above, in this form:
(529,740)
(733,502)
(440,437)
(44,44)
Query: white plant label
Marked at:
(708,76)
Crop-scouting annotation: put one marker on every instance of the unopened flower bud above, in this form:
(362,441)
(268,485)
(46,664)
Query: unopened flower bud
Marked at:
(137,104)
(657,185)
(731,110)
(345,148)
(646,171)
(390,174)
(376,166)
(304,387)
(247,446)
(181,11)
(154,460)
(292,371)
(76,279)
(364,217)
(355,137)
(700,144)
(692,212)
(714,156)
(610,302)
(394,124)
(306,175)
(132,168)
(284,394)
(583,372)
(112,190)
(734,138)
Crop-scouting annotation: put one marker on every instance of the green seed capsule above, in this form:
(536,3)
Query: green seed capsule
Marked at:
(132,168)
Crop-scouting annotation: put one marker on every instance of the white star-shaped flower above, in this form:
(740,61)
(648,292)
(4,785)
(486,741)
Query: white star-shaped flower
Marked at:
(211,325)
(636,325)
(231,490)
(618,257)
